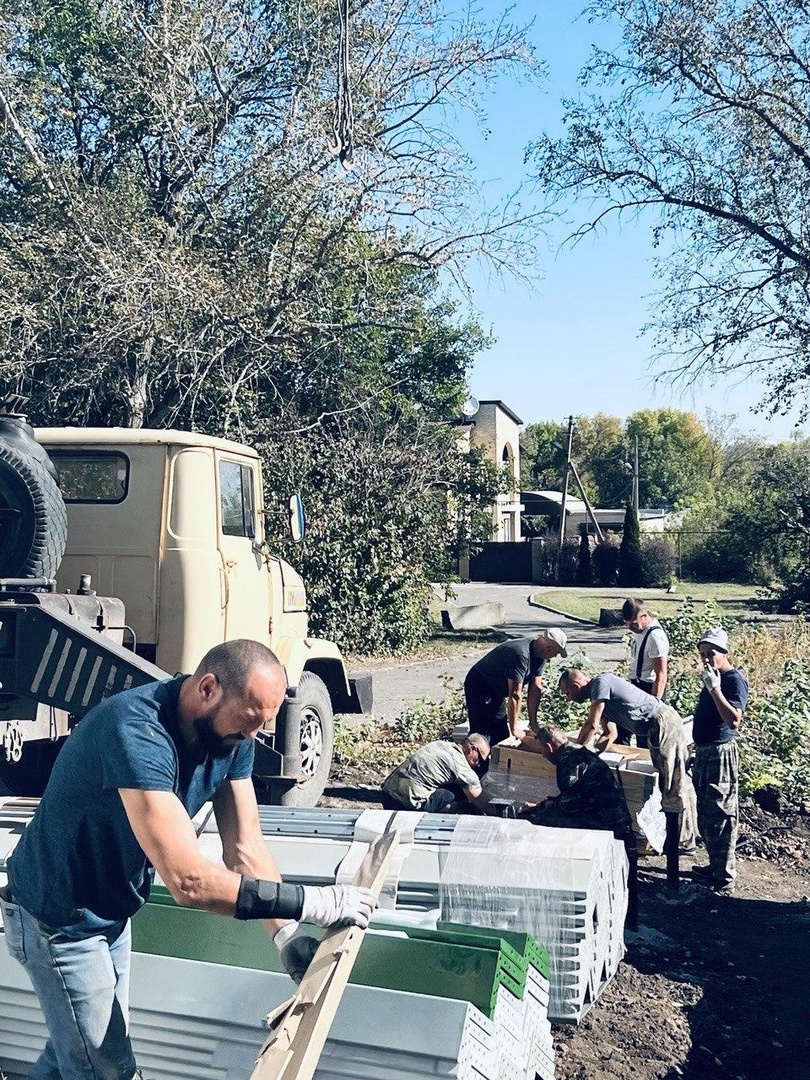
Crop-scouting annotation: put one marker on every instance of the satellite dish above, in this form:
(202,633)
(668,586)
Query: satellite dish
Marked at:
(470,407)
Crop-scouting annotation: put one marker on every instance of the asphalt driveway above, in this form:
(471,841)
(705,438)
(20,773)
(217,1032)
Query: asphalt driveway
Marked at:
(397,684)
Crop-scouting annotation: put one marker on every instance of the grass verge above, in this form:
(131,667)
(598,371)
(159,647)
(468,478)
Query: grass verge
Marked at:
(585,603)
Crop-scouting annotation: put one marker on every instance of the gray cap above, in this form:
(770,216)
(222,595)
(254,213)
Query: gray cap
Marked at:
(559,639)
(717,637)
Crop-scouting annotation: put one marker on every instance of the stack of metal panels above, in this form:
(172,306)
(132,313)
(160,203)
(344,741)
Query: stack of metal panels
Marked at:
(567,887)
(192,1020)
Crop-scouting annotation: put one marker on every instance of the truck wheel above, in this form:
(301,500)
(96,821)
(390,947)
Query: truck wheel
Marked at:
(317,742)
(33,520)
(29,776)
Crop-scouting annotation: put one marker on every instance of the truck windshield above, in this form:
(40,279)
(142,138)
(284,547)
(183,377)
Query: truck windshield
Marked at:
(91,477)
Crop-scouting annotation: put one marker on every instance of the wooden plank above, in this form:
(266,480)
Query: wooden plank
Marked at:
(300,1026)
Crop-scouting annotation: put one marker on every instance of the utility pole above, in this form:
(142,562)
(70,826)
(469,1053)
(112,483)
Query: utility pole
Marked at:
(635,474)
(564,497)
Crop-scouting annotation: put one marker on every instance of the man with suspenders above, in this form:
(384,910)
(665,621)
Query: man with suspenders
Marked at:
(648,655)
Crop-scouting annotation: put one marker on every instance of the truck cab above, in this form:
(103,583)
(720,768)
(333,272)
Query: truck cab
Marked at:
(172,524)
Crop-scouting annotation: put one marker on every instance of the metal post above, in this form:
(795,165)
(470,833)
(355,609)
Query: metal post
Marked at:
(671,844)
(589,509)
(635,474)
(564,497)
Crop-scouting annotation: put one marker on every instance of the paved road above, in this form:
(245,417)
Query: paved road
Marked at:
(397,684)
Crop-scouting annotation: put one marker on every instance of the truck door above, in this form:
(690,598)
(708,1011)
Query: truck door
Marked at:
(246,581)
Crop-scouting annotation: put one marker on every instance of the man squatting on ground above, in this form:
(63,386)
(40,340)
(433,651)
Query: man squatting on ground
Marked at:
(716,771)
(438,774)
(649,654)
(493,688)
(120,800)
(590,796)
(615,701)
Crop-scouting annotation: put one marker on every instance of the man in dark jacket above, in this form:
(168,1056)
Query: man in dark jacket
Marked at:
(590,796)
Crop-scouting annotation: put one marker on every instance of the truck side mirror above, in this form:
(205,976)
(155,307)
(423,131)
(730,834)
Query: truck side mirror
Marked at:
(298,521)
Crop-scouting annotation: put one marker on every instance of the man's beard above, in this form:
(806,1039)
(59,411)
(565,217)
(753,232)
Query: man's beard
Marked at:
(209,743)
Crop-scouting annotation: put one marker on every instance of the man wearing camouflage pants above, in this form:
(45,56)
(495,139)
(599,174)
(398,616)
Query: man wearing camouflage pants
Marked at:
(717,720)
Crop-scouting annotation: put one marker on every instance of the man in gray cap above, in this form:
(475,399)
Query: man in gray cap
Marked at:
(717,720)
(493,688)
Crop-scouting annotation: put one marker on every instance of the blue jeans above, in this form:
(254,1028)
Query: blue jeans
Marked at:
(82,983)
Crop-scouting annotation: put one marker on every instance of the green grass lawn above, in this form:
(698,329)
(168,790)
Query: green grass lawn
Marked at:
(735,599)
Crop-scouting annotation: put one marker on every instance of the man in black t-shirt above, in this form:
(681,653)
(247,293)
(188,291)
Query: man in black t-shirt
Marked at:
(716,772)
(493,688)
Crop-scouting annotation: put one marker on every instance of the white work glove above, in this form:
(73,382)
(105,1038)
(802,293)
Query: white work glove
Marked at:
(710,678)
(337,905)
(296,949)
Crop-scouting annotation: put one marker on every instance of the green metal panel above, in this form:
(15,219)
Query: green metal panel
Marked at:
(437,964)
(528,947)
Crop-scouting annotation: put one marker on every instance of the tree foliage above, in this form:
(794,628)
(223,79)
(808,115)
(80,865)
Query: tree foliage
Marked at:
(679,460)
(630,568)
(698,120)
(180,246)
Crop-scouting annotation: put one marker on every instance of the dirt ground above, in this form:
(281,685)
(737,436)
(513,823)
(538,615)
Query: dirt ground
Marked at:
(710,987)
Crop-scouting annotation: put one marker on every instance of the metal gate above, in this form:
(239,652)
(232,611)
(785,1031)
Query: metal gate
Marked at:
(504,563)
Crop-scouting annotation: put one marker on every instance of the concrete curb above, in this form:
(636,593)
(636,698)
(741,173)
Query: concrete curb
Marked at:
(565,614)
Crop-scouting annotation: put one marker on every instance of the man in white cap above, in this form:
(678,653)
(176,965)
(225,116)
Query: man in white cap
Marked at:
(493,688)
(716,771)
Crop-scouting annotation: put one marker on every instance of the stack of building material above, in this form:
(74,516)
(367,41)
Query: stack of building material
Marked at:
(566,887)
(201,1020)
(517,775)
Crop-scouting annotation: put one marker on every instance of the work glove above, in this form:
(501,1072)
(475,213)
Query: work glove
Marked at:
(337,905)
(295,949)
(710,678)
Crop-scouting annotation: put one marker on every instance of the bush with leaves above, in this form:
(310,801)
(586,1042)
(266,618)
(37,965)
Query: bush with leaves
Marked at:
(605,560)
(584,564)
(630,571)
(777,736)
(657,561)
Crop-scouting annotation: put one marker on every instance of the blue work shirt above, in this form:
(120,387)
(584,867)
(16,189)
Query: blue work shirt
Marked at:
(78,864)
(708,726)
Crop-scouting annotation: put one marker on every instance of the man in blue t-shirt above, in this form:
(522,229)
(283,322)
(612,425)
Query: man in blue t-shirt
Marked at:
(120,800)
(716,772)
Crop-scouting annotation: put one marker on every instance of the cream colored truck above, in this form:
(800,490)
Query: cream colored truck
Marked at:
(173,525)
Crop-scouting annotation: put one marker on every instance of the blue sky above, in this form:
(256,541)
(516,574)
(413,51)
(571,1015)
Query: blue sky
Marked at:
(572,344)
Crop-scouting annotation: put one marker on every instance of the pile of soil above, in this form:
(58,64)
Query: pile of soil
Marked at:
(710,987)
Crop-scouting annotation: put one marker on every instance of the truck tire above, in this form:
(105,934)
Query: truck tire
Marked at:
(32,515)
(317,742)
(29,776)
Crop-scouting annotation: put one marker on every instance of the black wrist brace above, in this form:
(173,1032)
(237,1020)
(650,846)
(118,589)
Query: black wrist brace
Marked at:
(259,899)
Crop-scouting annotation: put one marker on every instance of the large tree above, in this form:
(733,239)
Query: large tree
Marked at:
(679,460)
(180,245)
(698,121)
(177,234)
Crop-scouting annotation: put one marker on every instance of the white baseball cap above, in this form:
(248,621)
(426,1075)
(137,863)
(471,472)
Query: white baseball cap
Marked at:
(559,639)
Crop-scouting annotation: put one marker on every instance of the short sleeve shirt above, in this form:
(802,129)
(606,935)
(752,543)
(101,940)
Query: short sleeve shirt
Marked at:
(708,726)
(656,645)
(510,661)
(625,704)
(78,863)
(436,765)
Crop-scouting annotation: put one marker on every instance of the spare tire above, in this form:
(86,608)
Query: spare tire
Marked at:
(33,519)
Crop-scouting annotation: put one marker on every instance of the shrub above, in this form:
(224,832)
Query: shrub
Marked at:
(605,559)
(657,561)
(630,573)
(584,564)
